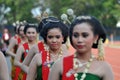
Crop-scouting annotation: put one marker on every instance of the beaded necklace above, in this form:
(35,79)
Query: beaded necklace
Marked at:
(76,66)
(48,61)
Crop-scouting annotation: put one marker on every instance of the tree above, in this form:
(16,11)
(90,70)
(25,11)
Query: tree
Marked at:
(106,10)
(20,10)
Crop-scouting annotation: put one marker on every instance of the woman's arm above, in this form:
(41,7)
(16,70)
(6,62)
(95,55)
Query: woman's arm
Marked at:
(4,74)
(56,70)
(30,55)
(32,72)
(18,56)
(28,58)
(12,43)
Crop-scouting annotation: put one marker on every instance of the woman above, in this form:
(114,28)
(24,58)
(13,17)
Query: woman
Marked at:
(15,41)
(37,48)
(86,32)
(30,31)
(4,74)
(54,34)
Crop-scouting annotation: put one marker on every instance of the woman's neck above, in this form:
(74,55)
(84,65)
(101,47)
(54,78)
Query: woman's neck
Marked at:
(83,56)
(31,42)
(17,35)
(54,51)
(24,39)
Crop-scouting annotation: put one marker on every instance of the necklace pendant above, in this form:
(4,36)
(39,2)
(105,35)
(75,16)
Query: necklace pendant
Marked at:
(27,51)
(70,72)
(75,75)
(80,65)
(48,65)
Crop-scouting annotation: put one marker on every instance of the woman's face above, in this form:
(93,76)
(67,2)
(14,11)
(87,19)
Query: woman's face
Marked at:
(6,31)
(21,33)
(83,37)
(31,34)
(54,38)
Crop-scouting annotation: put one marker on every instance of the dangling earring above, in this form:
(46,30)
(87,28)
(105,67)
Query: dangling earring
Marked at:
(37,39)
(100,50)
(68,43)
(95,41)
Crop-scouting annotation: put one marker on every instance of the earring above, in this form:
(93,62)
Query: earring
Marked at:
(100,50)
(68,43)
(95,42)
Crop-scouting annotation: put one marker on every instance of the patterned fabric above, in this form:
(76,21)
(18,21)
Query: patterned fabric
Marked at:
(20,75)
(13,71)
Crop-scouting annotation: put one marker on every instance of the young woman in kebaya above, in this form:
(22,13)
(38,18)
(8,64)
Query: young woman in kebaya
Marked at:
(86,32)
(55,34)
(30,31)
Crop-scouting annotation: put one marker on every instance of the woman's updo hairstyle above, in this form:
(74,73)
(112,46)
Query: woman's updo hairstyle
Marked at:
(52,22)
(30,25)
(97,27)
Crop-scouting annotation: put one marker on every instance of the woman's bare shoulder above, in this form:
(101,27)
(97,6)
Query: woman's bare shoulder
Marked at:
(104,66)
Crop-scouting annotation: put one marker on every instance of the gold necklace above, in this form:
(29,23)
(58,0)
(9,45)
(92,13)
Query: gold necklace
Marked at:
(75,67)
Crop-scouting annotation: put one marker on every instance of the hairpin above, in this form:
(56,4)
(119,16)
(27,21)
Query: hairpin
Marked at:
(83,17)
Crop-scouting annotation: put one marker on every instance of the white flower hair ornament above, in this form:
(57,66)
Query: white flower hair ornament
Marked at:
(100,50)
(64,17)
(14,24)
(70,12)
(24,21)
(17,22)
